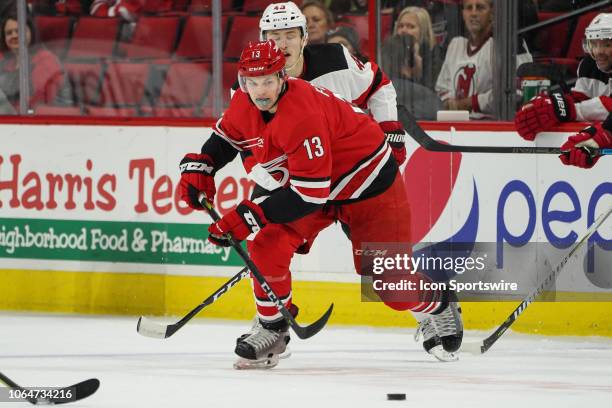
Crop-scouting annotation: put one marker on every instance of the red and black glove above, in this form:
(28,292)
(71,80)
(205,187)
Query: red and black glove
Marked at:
(241,222)
(579,146)
(395,135)
(543,113)
(197,176)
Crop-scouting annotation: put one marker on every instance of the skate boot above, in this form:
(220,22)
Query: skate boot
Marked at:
(262,347)
(255,327)
(442,333)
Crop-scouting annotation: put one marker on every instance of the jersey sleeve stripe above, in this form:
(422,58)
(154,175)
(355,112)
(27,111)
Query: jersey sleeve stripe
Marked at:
(309,198)
(310,184)
(310,178)
(238,145)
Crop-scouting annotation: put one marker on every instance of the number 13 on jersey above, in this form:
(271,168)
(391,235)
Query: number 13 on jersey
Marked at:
(314,148)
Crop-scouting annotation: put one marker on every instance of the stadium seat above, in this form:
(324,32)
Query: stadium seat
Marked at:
(205,6)
(124,84)
(185,85)
(54,32)
(84,81)
(104,111)
(360,23)
(575,50)
(156,6)
(196,41)
(154,37)
(256,6)
(243,30)
(173,112)
(94,37)
(552,40)
(57,110)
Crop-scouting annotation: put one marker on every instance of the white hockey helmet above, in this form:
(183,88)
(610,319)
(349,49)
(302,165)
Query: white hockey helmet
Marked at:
(279,16)
(599,29)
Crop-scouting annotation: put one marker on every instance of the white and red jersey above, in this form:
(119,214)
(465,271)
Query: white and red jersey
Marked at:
(316,144)
(468,71)
(592,92)
(333,67)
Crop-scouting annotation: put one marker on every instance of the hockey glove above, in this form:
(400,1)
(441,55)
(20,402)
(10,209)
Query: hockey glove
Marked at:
(197,175)
(241,222)
(543,113)
(395,136)
(579,146)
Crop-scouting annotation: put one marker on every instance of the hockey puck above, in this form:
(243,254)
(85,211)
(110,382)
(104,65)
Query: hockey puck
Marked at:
(396,397)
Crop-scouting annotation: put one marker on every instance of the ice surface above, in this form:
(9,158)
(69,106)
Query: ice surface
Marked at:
(339,367)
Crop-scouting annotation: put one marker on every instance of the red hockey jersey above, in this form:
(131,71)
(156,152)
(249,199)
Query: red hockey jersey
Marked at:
(322,147)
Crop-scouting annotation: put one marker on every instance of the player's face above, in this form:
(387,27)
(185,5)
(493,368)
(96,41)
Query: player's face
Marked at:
(477,16)
(264,91)
(409,24)
(289,41)
(317,24)
(341,40)
(11,35)
(601,50)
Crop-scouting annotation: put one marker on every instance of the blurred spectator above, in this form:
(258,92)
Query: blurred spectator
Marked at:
(466,79)
(75,7)
(444,15)
(126,9)
(339,7)
(399,62)
(424,65)
(348,37)
(319,20)
(47,80)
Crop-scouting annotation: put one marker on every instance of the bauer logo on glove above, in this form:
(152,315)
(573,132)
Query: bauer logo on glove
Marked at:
(543,113)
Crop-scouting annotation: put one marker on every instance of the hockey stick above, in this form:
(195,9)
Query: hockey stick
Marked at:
(302,332)
(428,143)
(483,346)
(149,328)
(62,395)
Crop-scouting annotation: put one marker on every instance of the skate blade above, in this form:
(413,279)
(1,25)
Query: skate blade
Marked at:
(262,364)
(443,355)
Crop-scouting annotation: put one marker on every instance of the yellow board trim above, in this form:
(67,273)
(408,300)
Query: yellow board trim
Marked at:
(150,294)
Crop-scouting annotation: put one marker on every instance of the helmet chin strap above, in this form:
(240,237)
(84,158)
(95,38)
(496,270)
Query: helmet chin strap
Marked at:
(300,58)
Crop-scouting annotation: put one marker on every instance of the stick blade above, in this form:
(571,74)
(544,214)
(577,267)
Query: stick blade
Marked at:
(309,331)
(81,390)
(149,328)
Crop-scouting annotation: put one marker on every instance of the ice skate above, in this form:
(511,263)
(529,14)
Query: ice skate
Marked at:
(255,326)
(442,333)
(262,347)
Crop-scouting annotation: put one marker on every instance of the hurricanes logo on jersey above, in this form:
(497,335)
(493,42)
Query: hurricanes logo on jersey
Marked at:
(465,81)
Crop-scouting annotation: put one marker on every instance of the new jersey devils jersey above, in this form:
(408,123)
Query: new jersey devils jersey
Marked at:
(592,92)
(333,67)
(318,145)
(467,72)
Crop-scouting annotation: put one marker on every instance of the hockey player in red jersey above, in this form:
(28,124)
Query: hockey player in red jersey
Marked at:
(590,99)
(331,66)
(327,162)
